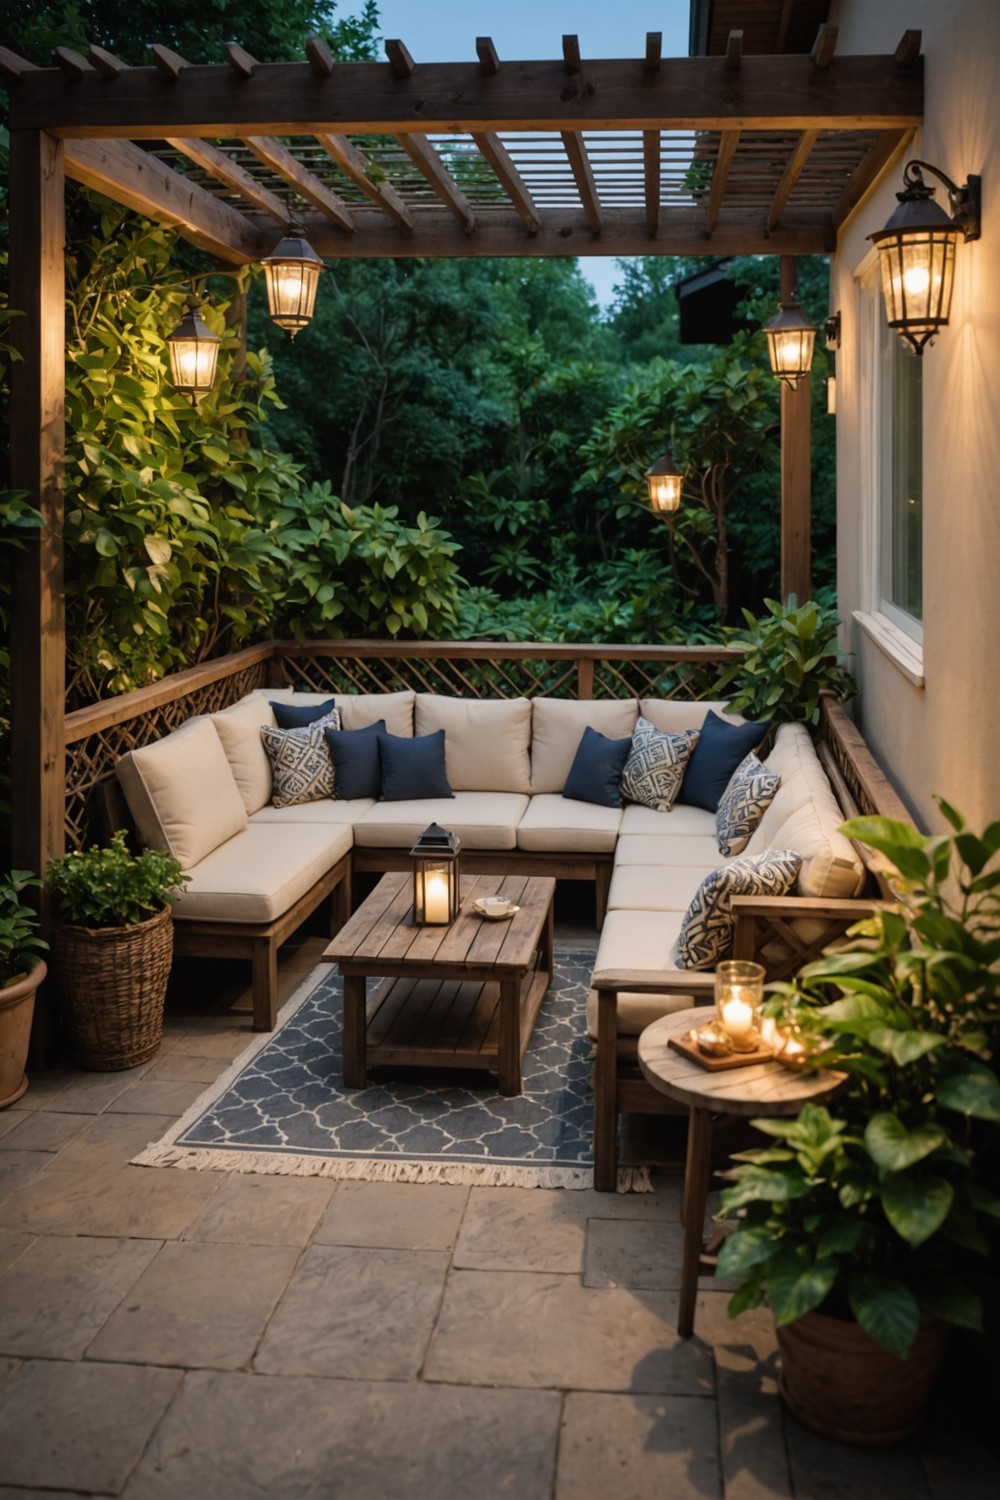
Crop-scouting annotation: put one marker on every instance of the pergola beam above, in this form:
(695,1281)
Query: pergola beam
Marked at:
(651,179)
(357,167)
(791,175)
(428,162)
(583,176)
(728,142)
(768,93)
(871,167)
(229,172)
(510,179)
(281,161)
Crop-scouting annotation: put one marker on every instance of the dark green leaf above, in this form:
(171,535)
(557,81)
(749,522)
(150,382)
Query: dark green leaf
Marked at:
(886,1310)
(893,1148)
(975,1092)
(916,1207)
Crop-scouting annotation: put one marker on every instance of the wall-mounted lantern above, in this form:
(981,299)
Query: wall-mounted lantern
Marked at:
(916,252)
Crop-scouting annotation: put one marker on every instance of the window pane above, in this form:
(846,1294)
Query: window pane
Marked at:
(902,489)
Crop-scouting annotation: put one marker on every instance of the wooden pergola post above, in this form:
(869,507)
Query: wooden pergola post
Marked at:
(796,485)
(37,445)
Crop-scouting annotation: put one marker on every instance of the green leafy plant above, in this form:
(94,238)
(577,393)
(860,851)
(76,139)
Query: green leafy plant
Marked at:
(109,886)
(20,943)
(791,659)
(883,1206)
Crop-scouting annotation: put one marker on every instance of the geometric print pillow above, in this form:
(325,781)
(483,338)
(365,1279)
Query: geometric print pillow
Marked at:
(707,930)
(656,764)
(746,799)
(301,767)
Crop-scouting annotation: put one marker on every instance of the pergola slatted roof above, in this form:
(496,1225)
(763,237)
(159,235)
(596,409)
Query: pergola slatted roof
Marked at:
(735,153)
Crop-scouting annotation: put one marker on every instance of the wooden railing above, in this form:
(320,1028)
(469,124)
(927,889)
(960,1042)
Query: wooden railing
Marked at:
(97,735)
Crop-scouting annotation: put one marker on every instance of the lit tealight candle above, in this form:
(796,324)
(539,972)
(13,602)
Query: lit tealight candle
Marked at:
(436,899)
(769,1033)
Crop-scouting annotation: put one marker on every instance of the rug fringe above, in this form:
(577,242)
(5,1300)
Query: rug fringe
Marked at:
(351,1169)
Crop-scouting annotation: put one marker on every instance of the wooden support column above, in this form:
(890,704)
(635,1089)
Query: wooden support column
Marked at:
(796,487)
(38,395)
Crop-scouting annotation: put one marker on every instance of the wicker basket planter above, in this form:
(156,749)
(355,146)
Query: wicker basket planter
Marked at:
(17,1006)
(112,982)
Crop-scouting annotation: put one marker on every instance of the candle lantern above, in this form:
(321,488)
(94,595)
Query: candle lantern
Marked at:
(436,870)
(739,994)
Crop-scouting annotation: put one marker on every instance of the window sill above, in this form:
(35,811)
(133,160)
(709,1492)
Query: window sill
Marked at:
(901,649)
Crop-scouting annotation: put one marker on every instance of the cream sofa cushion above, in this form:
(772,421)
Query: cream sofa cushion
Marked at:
(677,823)
(655,887)
(482,820)
(357,710)
(239,730)
(674,714)
(639,940)
(487,741)
(182,793)
(557,726)
(804,816)
(258,874)
(328,810)
(652,849)
(554,824)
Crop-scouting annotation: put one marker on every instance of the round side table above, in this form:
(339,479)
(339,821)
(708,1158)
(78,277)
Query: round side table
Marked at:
(764,1089)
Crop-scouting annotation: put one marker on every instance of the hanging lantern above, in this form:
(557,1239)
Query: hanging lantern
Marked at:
(916,252)
(194,353)
(664,481)
(436,873)
(292,274)
(790,342)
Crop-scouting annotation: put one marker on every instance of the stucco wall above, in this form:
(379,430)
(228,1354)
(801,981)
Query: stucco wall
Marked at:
(944,737)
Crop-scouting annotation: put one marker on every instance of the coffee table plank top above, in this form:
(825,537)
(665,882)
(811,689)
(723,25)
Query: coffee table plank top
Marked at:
(381,932)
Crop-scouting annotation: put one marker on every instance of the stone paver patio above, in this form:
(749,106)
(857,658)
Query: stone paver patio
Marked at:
(171,1333)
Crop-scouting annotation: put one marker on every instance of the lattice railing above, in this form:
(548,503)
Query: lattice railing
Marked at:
(98,735)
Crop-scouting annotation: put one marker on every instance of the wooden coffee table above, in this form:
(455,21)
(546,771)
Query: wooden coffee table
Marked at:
(463,996)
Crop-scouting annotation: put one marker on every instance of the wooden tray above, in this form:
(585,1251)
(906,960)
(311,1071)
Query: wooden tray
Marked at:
(687,1048)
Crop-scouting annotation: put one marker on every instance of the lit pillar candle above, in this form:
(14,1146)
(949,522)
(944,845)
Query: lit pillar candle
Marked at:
(436,898)
(737,1018)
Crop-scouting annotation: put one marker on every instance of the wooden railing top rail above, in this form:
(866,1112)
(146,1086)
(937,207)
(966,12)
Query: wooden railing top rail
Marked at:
(510,651)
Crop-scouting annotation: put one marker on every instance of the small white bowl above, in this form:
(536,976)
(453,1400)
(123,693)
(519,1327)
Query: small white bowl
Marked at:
(497,908)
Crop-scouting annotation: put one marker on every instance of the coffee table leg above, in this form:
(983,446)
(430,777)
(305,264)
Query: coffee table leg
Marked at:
(355,1028)
(547,943)
(696,1173)
(509,1050)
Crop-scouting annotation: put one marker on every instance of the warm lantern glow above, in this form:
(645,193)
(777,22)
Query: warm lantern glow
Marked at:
(194,354)
(436,877)
(916,252)
(292,274)
(664,481)
(790,342)
(739,992)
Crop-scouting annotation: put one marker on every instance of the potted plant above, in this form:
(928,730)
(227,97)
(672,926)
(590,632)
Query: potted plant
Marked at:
(22,970)
(870,1225)
(112,944)
(790,660)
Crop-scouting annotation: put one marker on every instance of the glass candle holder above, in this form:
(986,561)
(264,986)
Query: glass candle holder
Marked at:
(739,994)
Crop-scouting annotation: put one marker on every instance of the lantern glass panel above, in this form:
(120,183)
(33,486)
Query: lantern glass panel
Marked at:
(291,291)
(436,877)
(918,273)
(739,993)
(791,351)
(664,491)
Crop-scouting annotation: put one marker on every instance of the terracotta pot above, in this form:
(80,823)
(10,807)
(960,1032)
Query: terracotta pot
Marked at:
(17,1006)
(837,1380)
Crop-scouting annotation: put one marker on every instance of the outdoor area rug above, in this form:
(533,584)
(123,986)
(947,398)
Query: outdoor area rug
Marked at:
(281,1107)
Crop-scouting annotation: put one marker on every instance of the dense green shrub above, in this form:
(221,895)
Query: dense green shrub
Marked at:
(109,886)
(791,658)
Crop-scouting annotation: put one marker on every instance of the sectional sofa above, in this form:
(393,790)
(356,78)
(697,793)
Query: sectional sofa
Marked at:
(256,870)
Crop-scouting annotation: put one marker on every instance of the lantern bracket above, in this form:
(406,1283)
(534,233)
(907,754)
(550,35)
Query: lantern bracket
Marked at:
(965,202)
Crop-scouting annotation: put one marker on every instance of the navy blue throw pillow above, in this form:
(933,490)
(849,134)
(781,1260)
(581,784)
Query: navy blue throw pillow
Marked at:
(298,715)
(597,769)
(413,768)
(357,767)
(718,752)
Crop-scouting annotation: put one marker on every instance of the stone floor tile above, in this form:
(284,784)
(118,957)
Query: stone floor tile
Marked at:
(957,1467)
(397,1215)
(362,1314)
(20,1494)
(196,1305)
(624,1252)
(10,1119)
(79,1426)
(824,1470)
(664,1202)
(522,1229)
(223,1046)
(254,1210)
(43,1087)
(59,1293)
(256,1437)
(129,1201)
(184,1068)
(520,1329)
(13,1244)
(634,1447)
(751,1413)
(91,1093)
(159,1096)
(111,1140)
(7,1368)
(18,1170)
(46,1130)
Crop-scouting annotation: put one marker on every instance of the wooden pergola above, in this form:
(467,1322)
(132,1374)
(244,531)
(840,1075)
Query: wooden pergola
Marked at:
(734,153)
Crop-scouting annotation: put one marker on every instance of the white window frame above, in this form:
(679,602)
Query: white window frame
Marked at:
(898,635)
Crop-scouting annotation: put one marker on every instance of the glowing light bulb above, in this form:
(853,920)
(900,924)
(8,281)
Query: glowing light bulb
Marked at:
(916,280)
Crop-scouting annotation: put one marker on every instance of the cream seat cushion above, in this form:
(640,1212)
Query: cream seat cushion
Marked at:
(639,940)
(257,875)
(239,729)
(357,710)
(482,820)
(804,816)
(555,825)
(655,887)
(653,849)
(487,741)
(650,823)
(557,726)
(327,810)
(182,793)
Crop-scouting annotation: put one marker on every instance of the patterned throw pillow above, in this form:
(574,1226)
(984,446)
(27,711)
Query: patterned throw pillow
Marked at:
(744,802)
(707,930)
(655,767)
(301,767)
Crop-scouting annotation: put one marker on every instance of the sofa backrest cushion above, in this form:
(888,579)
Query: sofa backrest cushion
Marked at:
(358,710)
(674,715)
(239,730)
(805,816)
(182,793)
(557,726)
(487,740)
